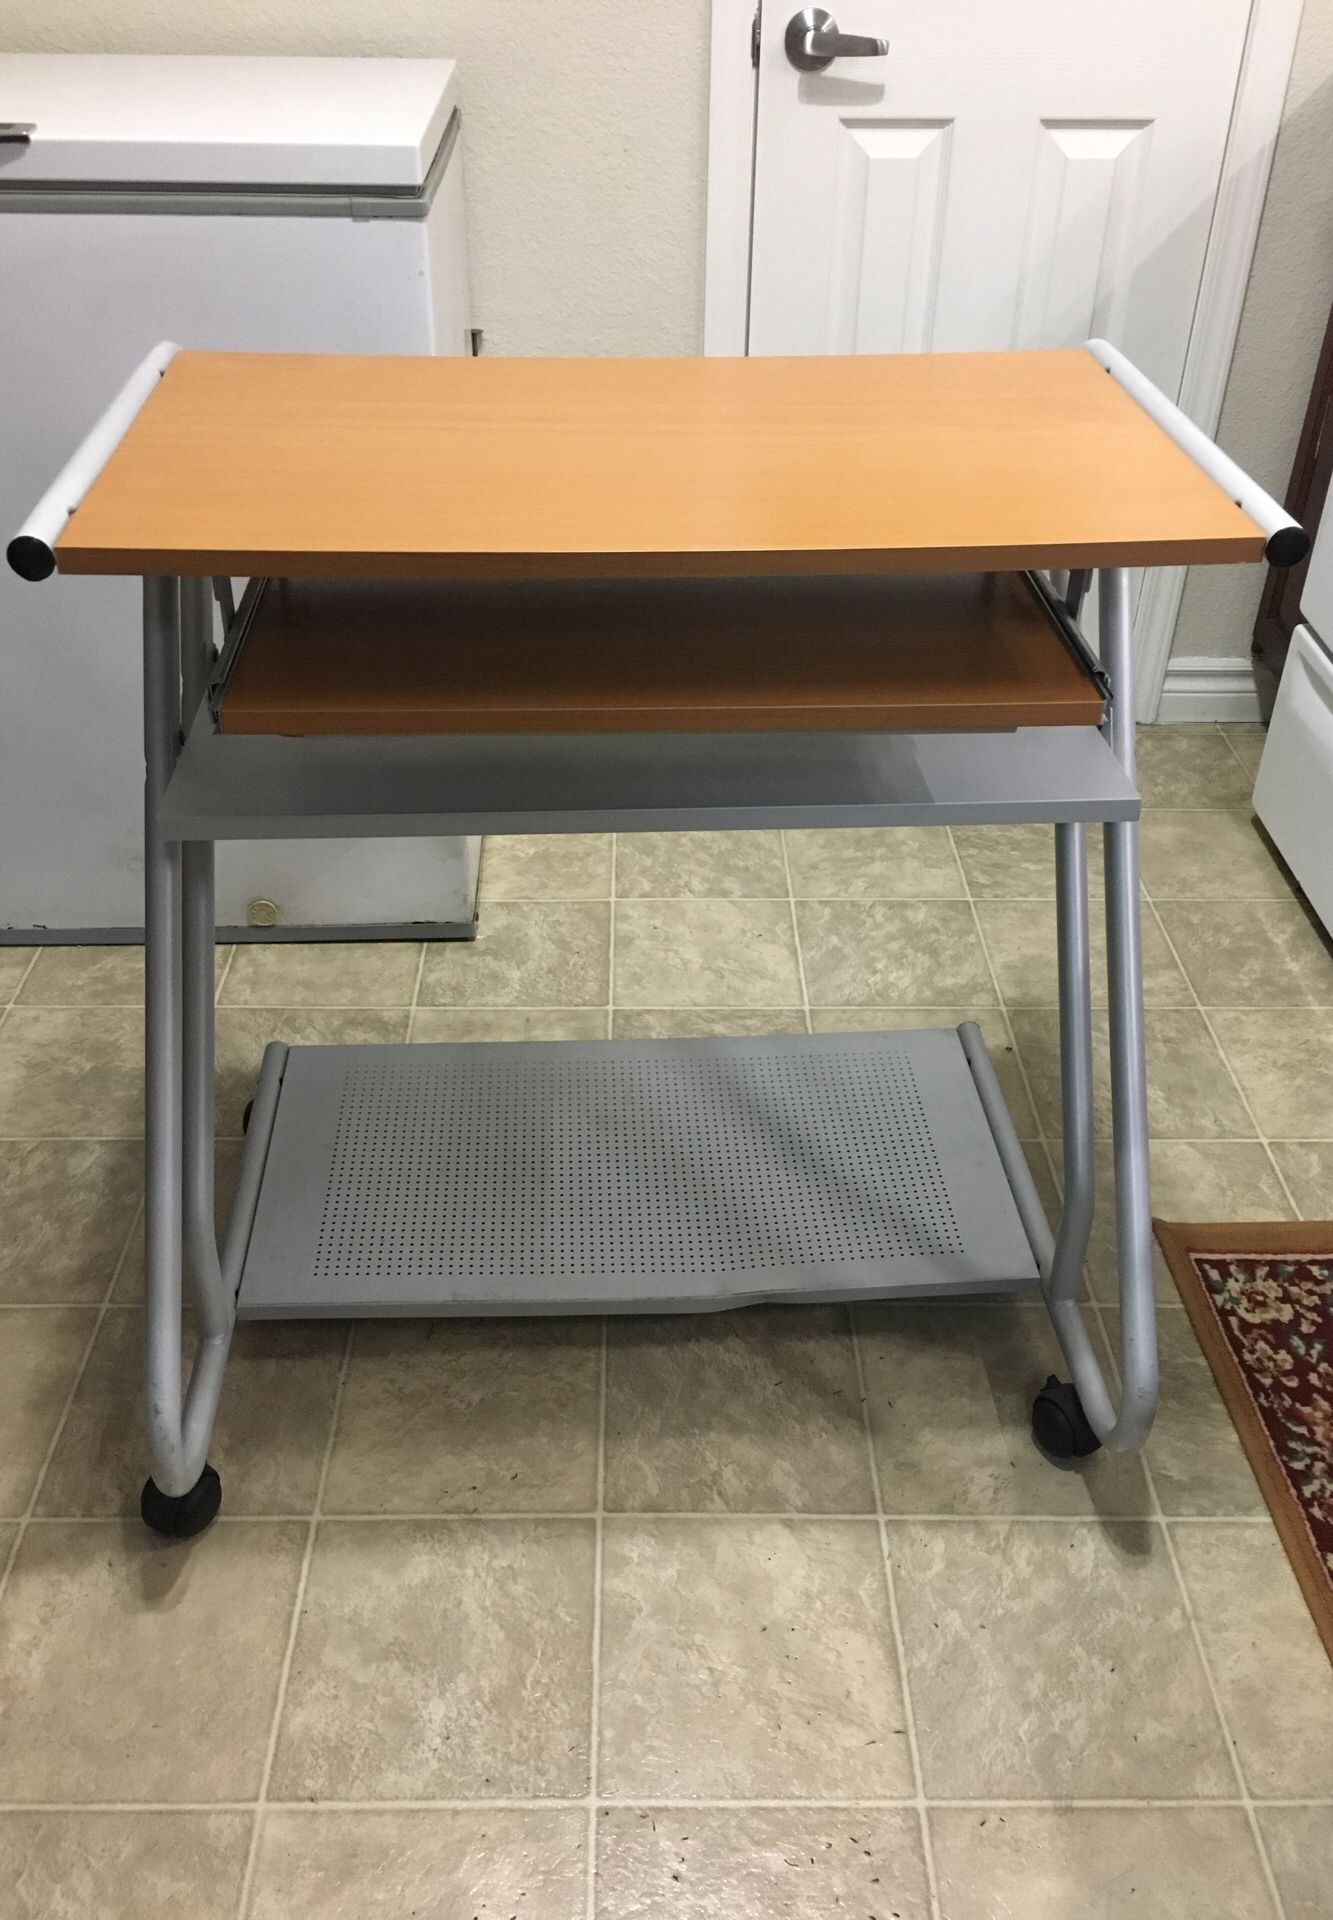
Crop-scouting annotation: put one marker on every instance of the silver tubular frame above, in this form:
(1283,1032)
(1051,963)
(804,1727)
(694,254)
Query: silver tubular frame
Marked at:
(1122,1428)
(1064,1280)
(179,1417)
(197,999)
(180,1238)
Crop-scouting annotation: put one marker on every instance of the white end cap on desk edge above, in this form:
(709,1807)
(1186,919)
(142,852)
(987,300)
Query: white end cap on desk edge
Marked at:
(1287,542)
(31,552)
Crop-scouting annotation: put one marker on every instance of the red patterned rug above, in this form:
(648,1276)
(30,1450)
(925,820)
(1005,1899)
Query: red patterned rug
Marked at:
(1261,1300)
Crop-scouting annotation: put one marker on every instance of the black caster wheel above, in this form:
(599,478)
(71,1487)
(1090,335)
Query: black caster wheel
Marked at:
(245,1117)
(181,1516)
(1059,1425)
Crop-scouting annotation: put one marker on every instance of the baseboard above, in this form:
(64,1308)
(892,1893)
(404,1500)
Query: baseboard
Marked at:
(1200,688)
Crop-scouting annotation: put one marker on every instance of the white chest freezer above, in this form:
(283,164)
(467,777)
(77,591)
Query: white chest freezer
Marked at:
(278,205)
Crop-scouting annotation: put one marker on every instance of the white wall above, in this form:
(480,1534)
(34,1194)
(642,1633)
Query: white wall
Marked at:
(1286,311)
(586,136)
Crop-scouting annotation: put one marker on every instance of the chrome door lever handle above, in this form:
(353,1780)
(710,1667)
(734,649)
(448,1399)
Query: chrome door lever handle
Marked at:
(813,42)
(844,46)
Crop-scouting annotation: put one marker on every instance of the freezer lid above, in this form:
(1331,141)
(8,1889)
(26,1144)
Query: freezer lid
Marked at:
(221,120)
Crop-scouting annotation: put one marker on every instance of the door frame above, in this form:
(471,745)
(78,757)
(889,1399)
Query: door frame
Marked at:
(1256,116)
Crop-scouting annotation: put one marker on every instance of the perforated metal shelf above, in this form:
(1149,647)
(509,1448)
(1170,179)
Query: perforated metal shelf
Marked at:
(646,1176)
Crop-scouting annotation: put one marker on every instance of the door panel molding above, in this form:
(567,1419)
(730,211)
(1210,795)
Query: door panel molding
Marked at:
(1081,229)
(892,179)
(1266,61)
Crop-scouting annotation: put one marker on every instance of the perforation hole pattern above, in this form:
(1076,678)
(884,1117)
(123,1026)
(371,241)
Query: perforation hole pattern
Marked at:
(639,1164)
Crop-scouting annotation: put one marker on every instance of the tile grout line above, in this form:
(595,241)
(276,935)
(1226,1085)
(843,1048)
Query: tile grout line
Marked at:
(1196,1633)
(1233,1750)
(595,1688)
(1225,1057)
(611,941)
(61,1306)
(39,1480)
(994,1801)
(895,1623)
(703,1517)
(298,1601)
(663,1802)
(223,976)
(22,981)
(19,984)
(405,1006)
(1232,1747)
(416,985)
(130,1139)
(795,931)
(1234,754)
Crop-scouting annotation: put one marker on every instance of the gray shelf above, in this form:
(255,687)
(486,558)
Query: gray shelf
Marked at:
(244,788)
(643,1177)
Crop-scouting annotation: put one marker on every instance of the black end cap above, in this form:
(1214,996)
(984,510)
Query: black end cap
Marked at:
(1287,547)
(30,558)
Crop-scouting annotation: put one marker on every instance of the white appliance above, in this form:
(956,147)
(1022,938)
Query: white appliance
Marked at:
(279,205)
(1293,794)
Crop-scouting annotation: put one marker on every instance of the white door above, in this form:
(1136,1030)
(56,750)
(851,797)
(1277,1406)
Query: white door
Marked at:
(1011,173)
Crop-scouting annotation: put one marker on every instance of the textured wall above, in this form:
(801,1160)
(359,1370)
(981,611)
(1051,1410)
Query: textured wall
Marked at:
(1286,311)
(586,139)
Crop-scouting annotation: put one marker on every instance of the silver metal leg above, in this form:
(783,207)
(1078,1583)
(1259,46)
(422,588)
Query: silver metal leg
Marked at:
(211,1298)
(178,1186)
(1064,1280)
(1125,1428)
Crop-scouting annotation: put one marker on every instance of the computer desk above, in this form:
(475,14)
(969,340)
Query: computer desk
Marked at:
(553,596)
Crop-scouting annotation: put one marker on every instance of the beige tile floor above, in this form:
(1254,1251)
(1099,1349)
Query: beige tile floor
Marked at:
(756,1616)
